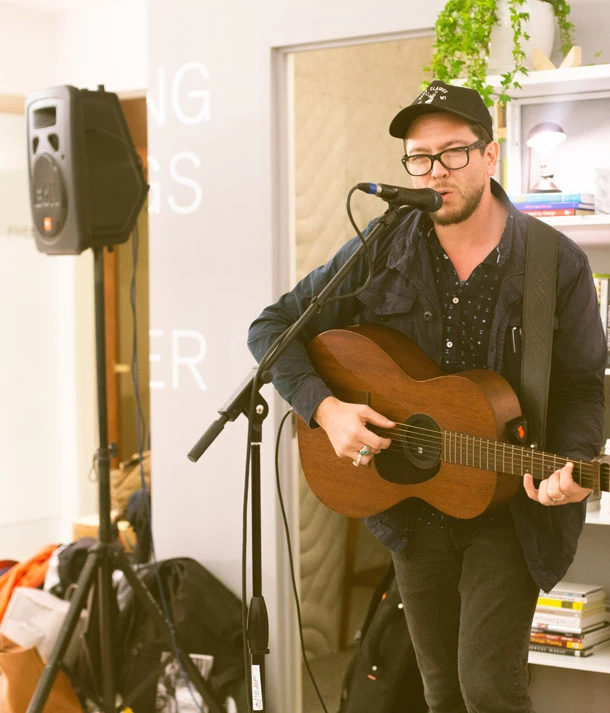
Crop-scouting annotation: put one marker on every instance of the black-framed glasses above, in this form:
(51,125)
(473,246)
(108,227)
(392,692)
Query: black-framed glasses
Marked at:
(452,159)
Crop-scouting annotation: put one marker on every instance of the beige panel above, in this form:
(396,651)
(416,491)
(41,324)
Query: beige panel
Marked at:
(345,99)
(12,104)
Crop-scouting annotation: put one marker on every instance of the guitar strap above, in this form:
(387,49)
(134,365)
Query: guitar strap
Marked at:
(537,330)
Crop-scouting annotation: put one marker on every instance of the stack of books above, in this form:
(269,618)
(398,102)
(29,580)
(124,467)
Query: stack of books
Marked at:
(571,620)
(549,205)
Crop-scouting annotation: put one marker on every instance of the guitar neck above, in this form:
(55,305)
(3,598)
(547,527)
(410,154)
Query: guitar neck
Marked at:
(475,452)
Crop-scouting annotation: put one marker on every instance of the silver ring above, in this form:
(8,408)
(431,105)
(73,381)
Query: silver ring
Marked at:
(365,450)
(358,459)
(558,500)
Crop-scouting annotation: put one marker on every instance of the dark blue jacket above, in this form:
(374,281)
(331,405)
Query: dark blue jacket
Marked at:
(402,295)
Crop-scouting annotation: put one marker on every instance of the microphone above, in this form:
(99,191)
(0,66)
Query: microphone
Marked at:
(422,198)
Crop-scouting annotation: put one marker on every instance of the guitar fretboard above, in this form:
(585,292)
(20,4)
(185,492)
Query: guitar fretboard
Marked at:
(476,452)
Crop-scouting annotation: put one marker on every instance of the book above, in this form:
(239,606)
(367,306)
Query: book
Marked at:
(582,641)
(563,623)
(576,205)
(589,651)
(553,198)
(557,212)
(553,603)
(577,591)
(568,613)
(584,632)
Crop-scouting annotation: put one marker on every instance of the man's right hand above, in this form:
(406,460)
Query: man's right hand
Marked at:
(345,426)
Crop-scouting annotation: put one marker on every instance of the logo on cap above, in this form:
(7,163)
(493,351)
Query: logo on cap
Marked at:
(431,94)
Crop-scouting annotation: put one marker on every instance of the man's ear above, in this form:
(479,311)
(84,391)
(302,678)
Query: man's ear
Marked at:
(492,153)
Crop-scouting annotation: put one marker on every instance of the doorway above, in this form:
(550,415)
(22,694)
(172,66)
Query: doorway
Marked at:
(344,100)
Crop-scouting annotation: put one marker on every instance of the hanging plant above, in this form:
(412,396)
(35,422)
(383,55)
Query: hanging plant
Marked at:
(462,37)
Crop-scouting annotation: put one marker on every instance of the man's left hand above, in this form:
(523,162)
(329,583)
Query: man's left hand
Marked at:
(558,489)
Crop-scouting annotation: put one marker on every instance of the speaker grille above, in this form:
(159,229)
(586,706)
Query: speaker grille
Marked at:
(50,204)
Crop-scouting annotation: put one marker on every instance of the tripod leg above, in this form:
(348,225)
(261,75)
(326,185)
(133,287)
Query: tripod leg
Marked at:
(106,596)
(79,600)
(154,612)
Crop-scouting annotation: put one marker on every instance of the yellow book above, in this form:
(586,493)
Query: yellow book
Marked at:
(566,604)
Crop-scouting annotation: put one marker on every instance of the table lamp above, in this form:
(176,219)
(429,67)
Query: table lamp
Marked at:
(543,138)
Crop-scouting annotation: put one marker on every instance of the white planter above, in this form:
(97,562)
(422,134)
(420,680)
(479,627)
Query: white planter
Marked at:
(540,27)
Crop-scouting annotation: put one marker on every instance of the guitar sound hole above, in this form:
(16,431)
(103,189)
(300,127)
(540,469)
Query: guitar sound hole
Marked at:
(422,445)
(418,457)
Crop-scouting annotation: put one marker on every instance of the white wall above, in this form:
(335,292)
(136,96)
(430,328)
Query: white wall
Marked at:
(27,49)
(49,410)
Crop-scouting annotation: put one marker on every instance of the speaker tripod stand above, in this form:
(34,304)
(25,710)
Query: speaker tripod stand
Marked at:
(105,557)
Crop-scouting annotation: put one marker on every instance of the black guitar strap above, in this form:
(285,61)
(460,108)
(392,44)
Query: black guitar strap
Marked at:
(537,330)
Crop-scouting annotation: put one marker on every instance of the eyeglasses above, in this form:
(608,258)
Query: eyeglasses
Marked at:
(451,159)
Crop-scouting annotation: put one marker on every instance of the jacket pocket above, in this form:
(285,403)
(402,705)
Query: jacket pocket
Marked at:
(394,309)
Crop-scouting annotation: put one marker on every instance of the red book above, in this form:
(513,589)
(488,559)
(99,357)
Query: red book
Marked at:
(551,213)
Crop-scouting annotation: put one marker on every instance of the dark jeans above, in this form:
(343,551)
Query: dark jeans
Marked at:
(469,602)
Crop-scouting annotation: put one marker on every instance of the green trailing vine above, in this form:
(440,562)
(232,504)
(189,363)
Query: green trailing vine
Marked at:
(566,28)
(462,36)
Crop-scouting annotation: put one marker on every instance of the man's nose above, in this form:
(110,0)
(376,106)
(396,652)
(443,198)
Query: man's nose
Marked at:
(438,169)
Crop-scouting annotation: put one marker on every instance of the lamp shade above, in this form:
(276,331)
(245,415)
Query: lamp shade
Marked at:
(545,136)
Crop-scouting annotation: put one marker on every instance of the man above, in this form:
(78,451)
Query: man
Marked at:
(452,281)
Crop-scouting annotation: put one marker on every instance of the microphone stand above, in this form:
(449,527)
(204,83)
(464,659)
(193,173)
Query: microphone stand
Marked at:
(247,400)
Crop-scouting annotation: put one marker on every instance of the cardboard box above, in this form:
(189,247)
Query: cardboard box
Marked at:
(88,526)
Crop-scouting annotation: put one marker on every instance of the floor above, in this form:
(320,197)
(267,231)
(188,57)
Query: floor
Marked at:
(328,672)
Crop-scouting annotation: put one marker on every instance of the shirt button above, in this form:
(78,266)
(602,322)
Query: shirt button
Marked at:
(449,344)
(446,256)
(455,300)
(428,316)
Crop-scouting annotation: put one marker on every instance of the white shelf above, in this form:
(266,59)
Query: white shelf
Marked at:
(597,517)
(598,662)
(584,229)
(542,83)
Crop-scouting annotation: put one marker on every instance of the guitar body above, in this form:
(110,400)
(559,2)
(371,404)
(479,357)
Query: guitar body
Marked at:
(381,367)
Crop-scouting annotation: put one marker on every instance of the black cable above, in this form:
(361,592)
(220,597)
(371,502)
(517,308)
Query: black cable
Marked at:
(290,559)
(369,257)
(279,342)
(255,387)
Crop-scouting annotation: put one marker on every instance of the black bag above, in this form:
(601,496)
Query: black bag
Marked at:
(206,618)
(383,676)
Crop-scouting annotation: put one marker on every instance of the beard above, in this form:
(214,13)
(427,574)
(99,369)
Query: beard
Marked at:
(459,214)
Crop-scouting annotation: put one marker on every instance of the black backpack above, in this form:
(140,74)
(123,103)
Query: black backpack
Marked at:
(206,618)
(383,676)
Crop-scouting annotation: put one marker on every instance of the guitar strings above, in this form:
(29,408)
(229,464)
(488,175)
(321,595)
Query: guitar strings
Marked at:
(437,437)
(495,449)
(532,459)
(584,480)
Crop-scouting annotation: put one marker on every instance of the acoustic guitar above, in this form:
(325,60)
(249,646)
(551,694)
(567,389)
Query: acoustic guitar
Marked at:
(450,446)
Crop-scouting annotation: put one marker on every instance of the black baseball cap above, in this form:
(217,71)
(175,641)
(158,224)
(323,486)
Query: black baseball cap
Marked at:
(439,96)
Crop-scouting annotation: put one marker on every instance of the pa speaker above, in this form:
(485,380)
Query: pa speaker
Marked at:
(86,180)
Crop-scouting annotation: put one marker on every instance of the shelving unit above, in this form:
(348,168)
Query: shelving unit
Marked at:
(586,230)
(599,662)
(569,89)
(539,91)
